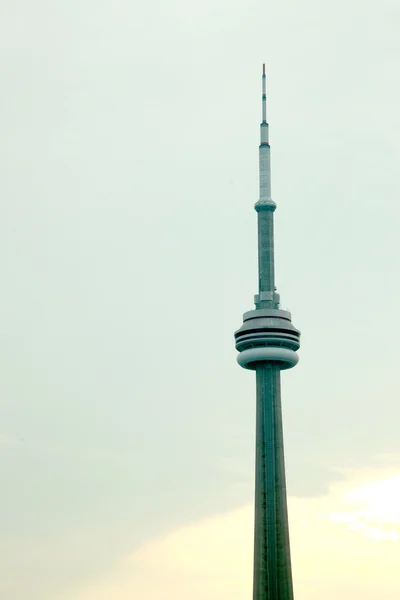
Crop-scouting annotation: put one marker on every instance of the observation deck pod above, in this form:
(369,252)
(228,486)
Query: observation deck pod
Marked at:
(267,335)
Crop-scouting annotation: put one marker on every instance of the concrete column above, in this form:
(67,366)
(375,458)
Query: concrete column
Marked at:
(272,567)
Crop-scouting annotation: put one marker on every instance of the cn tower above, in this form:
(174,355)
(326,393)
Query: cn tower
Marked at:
(267,343)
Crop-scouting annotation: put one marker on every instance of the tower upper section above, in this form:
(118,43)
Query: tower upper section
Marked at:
(267,333)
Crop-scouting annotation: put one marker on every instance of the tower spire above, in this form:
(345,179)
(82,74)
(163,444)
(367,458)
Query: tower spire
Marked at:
(267,296)
(264,96)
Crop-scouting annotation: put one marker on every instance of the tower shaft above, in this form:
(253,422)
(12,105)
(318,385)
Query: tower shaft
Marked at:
(272,577)
(266,263)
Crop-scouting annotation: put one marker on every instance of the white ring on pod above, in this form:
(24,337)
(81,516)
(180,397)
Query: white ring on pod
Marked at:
(269,353)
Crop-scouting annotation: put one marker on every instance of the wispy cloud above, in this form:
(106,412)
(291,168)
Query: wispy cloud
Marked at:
(344,543)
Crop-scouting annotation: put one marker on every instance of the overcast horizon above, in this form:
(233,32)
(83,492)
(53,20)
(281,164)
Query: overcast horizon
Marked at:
(129,160)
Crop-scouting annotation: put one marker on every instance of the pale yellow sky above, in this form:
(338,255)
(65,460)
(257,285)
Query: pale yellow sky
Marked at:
(344,544)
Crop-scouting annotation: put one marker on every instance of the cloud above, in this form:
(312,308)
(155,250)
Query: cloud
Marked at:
(346,543)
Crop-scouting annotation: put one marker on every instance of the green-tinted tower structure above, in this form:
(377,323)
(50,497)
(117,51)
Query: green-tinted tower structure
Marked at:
(267,343)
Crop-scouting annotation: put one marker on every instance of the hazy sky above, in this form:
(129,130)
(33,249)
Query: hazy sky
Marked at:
(129,174)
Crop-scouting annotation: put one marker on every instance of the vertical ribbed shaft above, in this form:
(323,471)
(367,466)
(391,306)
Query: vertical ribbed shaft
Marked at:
(266,262)
(272,566)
